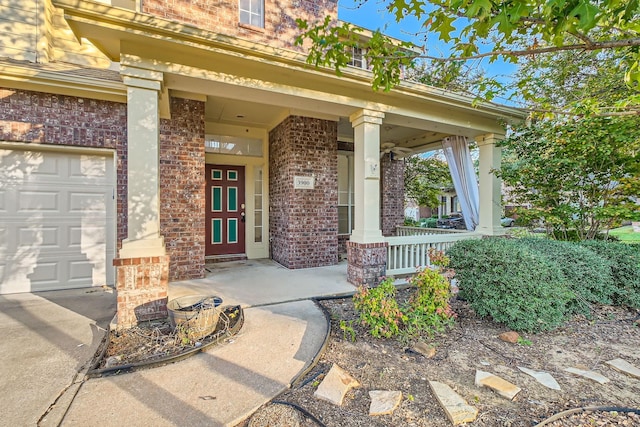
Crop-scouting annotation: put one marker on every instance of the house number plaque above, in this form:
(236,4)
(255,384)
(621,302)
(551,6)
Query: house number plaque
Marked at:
(303,182)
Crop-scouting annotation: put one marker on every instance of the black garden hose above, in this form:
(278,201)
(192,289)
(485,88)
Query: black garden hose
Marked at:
(585,409)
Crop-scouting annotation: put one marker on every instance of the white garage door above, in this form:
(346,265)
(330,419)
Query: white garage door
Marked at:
(57,228)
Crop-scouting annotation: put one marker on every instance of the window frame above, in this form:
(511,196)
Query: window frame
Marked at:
(357,54)
(251,13)
(350,193)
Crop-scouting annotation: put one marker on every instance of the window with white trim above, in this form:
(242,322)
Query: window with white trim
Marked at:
(345,193)
(252,12)
(358,59)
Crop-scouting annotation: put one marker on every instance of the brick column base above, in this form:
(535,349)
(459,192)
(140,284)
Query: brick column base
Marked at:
(367,263)
(141,285)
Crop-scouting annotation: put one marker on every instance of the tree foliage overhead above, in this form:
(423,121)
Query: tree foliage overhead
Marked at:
(576,82)
(509,29)
(579,176)
(424,179)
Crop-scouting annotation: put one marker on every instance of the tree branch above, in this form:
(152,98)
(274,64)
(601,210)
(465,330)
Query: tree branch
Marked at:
(609,44)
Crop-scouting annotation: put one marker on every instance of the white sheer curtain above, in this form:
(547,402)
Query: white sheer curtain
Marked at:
(456,151)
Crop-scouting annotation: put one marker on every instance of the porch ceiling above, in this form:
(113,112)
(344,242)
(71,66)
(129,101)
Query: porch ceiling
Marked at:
(253,114)
(258,85)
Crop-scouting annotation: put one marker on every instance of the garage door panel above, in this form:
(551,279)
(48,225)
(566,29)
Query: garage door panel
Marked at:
(86,237)
(39,236)
(38,201)
(45,273)
(87,202)
(49,167)
(87,166)
(58,221)
(81,271)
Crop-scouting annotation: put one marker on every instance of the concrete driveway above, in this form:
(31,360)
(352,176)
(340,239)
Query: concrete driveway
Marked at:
(46,339)
(49,338)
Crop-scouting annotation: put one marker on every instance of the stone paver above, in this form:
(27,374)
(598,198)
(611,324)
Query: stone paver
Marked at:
(624,367)
(544,378)
(424,349)
(588,374)
(335,385)
(501,386)
(384,402)
(456,408)
(510,337)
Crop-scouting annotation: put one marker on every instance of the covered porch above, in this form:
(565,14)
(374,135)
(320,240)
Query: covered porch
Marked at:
(184,84)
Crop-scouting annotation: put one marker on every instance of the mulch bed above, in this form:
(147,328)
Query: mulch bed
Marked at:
(384,364)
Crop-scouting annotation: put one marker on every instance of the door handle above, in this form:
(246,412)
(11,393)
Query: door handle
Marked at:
(242,215)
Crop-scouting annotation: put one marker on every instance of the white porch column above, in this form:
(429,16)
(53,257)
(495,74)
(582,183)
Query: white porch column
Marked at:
(143,149)
(490,186)
(366,125)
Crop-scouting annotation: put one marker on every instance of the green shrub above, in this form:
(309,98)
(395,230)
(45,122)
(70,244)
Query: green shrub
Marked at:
(379,309)
(625,269)
(429,222)
(410,222)
(427,310)
(511,283)
(588,275)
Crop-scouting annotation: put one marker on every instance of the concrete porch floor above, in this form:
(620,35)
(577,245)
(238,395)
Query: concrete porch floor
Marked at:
(50,338)
(258,282)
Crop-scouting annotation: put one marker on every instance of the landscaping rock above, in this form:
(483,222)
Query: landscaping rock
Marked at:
(335,385)
(510,337)
(588,374)
(501,386)
(456,408)
(624,367)
(543,378)
(424,349)
(384,402)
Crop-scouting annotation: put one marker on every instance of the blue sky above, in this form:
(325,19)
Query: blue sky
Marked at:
(373,15)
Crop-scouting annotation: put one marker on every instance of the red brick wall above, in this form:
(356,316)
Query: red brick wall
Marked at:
(366,263)
(303,223)
(182,188)
(43,118)
(142,286)
(391,194)
(222,16)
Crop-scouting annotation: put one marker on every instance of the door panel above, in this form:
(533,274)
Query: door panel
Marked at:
(225,217)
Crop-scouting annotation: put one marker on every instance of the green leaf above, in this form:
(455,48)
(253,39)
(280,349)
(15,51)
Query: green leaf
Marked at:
(586,14)
(503,21)
(442,24)
(479,9)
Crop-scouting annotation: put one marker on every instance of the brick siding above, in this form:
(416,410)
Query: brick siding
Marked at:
(280,29)
(182,188)
(141,286)
(367,263)
(391,194)
(303,223)
(44,118)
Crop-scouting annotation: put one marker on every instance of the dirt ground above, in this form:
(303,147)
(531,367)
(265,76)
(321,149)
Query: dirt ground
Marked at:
(380,364)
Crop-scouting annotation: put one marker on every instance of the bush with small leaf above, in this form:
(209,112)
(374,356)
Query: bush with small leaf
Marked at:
(624,261)
(588,275)
(512,283)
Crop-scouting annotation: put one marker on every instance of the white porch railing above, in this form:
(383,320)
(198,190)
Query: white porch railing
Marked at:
(405,253)
(402,230)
